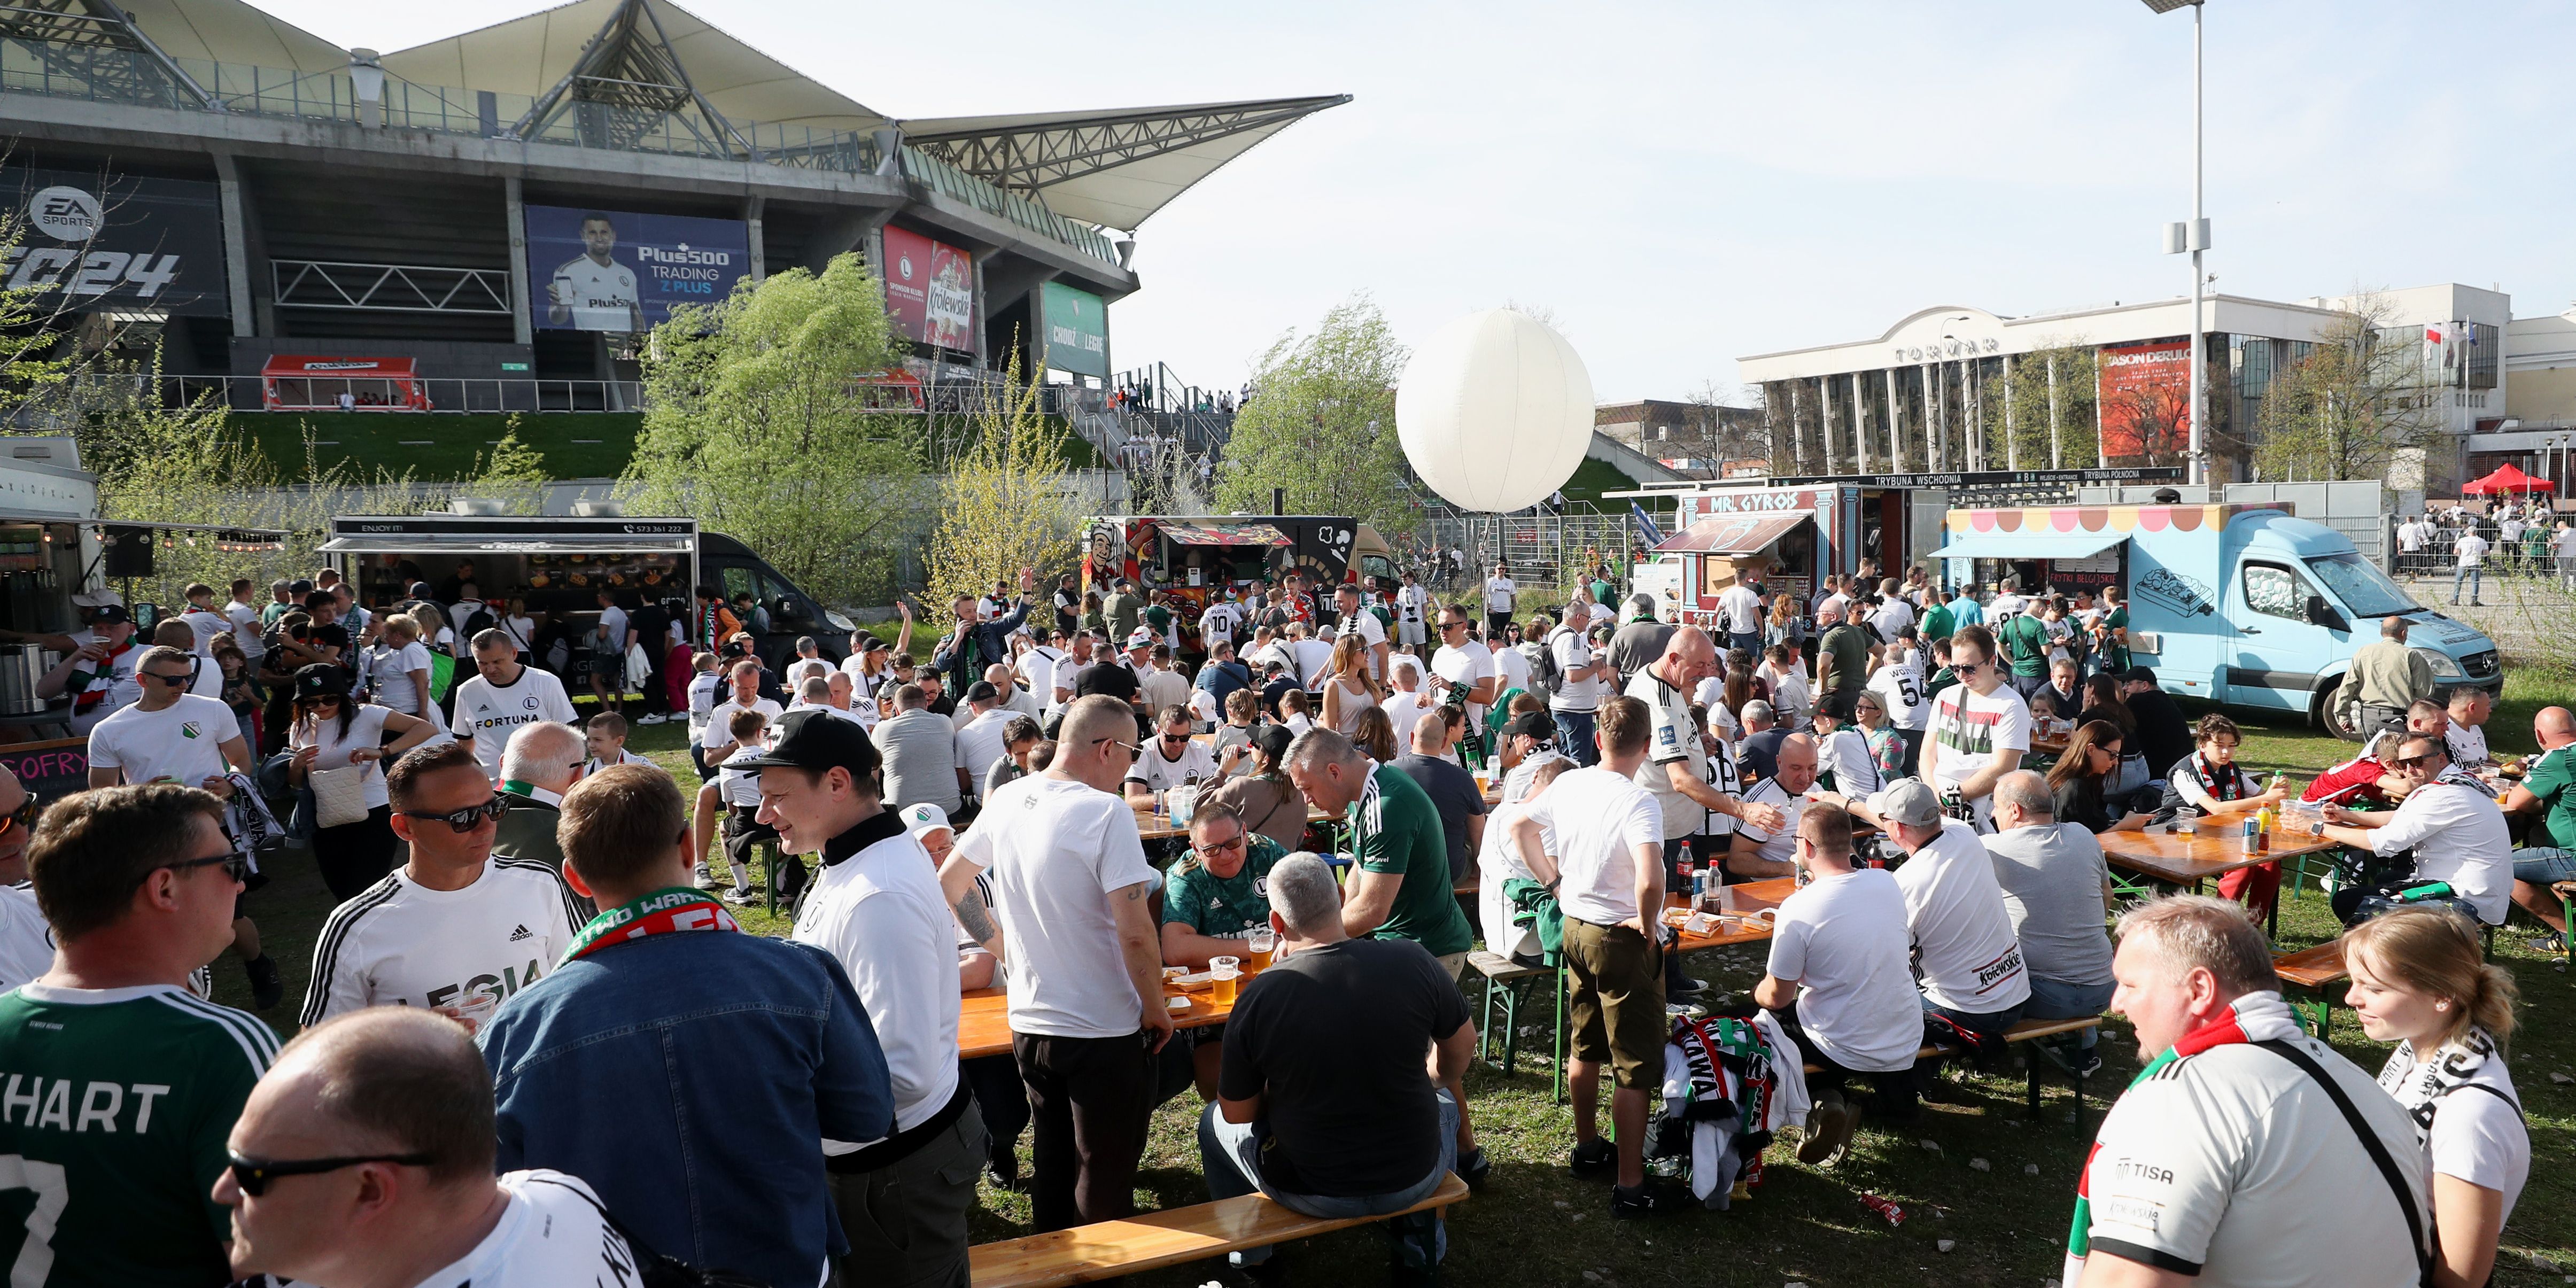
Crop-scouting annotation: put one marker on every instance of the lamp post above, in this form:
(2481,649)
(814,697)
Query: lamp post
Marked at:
(2193,237)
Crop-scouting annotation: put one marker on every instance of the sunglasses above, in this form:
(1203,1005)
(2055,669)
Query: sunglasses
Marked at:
(1131,748)
(252,1175)
(1966,668)
(179,681)
(22,817)
(236,865)
(1219,847)
(465,820)
(2414,762)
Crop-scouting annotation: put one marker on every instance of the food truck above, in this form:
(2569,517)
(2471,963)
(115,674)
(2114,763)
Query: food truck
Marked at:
(2247,605)
(1784,536)
(1189,555)
(557,565)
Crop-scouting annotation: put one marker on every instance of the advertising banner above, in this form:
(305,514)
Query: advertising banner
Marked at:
(930,290)
(110,242)
(1077,331)
(2146,399)
(615,270)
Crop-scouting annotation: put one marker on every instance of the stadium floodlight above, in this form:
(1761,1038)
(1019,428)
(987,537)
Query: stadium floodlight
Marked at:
(2195,238)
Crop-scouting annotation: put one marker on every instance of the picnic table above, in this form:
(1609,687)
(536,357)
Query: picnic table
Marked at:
(2185,862)
(984,1025)
(1748,898)
(1151,826)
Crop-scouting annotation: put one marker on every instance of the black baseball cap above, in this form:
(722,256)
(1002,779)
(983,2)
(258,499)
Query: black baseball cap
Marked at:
(816,739)
(2139,674)
(110,616)
(1531,724)
(320,680)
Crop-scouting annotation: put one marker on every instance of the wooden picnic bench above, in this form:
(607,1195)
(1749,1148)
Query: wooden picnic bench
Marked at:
(2032,1031)
(2315,970)
(1109,1249)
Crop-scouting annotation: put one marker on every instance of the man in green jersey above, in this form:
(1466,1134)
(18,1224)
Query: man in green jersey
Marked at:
(118,1085)
(1402,888)
(2023,639)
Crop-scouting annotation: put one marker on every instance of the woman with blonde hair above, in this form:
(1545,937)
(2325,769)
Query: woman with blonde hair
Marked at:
(2421,981)
(1350,692)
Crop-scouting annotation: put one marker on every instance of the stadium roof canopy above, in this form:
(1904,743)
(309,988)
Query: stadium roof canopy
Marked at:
(1112,168)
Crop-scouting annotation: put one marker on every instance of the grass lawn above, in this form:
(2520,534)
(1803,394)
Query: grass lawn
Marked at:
(443,446)
(1537,1225)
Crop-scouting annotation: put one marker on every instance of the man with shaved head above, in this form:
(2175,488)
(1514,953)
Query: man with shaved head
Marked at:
(26,946)
(1070,881)
(1700,809)
(2547,789)
(365,1157)
(1757,851)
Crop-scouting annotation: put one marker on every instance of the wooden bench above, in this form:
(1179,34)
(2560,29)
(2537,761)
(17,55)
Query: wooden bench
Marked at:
(2313,969)
(1109,1249)
(2032,1031)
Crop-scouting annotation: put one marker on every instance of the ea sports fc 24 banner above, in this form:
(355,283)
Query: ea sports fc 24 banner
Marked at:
(929,289)
(616,270)
(93,241)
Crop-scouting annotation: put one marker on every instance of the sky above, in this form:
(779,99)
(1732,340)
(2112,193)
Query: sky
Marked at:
(1678,185)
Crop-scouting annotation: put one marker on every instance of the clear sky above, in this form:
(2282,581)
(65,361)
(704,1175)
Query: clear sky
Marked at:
(1681,184)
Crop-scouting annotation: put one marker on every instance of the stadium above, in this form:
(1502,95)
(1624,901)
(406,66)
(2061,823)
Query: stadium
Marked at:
(488,221)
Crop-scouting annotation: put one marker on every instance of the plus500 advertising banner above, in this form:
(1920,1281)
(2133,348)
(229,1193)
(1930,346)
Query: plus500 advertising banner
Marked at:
(615,270)
(95,241)
(930,289)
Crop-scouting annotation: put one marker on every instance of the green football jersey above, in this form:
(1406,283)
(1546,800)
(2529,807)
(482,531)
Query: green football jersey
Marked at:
(114,1108)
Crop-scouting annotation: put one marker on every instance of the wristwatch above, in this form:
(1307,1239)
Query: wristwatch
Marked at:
(2317,829)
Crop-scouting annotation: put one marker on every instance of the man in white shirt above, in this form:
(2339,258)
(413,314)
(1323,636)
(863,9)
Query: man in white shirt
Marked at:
(1739,610)
(453,929)
(242,611)
(1898,683)
(877,907)
(1169,759)
(2233,1157)
(501,696)
(1219,623)
(1843,751)
(1980,727)
(2057,889)
(1159,683)
(1761,848)
(2466,739)
(1408,702)
(1502,595)
(1464,667)
(2007,603)
(1412,606)
(1584,678)
(168,734)
(1839,984)
(979,742)
(1894,614)
(2456,831)
(2469,551)
(1086,1009)
(1969,962)
(1608,874)
(26,942)
(1676,766)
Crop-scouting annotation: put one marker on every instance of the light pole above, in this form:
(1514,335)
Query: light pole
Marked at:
(2193,237)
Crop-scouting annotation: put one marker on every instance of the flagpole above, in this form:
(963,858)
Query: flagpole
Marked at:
(2199,343)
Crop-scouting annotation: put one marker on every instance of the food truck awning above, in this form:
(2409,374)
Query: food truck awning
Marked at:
(2030,545)
(1740,534)
(466,543)
(1225,534)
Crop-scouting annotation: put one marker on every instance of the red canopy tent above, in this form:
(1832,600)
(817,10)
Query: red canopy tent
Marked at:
(300,382)
(2507,479)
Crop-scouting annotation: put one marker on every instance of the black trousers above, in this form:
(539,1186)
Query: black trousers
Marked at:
(1090,1101)
(356,855)
(1004,1102)
(1895,1091)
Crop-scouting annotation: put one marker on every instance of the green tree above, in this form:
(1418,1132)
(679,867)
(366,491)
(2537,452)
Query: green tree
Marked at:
(1007,502)
(2071,442)
(2363,403)
(757,426)
(1321,425)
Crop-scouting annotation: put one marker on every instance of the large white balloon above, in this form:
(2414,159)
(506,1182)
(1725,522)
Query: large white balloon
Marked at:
(1495,411)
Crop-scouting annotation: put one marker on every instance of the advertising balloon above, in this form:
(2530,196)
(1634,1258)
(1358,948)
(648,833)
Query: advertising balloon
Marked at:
(1495,411)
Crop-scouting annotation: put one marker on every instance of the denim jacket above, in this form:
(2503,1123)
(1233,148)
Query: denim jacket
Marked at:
(691,1078)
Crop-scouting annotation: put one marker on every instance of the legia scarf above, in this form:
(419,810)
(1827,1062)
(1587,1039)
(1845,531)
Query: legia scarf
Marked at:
(665,911)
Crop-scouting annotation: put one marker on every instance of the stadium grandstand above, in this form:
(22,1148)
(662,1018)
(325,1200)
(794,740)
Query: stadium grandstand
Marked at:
(487,222)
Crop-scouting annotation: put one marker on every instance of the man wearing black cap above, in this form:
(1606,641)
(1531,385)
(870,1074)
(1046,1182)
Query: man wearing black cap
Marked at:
(1529,741)
(2163,734)
(877,908)
(98,672)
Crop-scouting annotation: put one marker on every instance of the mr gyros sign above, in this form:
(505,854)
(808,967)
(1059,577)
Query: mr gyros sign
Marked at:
(93,242)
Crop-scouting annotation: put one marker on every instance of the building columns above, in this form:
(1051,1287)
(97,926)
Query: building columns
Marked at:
(2056,445)
(1860,428)
(1937,418)
(1895,431)
(515,213)
(1797,439)
(2012,445)
(1825,401)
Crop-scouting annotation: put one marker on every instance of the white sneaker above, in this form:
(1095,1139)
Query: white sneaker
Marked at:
(741,898)
(706,878)
(655,718)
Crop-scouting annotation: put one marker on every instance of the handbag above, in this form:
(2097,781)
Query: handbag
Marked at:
(339,795)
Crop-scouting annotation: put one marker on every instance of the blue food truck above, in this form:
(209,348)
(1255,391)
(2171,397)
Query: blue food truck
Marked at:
(2246,605)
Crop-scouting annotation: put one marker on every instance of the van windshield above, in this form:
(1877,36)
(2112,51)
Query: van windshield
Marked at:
(2361,586)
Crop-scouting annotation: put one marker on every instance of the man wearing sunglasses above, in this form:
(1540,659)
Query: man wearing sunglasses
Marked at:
(453,929)
(1171,758)
(1980,727)
(2473,852)
(137,884)
(26,943)
(366,1158)
(170,735)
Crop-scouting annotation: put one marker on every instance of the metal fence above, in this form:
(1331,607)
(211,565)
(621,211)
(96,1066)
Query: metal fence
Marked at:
(953,394)
(2531,551)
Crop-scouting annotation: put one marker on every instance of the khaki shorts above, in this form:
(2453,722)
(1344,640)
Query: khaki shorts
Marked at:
(1618,1002)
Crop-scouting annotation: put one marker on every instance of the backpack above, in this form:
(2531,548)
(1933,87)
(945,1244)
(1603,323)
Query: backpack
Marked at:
(1545,675)
(477,622)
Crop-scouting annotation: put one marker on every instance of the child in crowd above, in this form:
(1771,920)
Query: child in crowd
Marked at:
(605,734)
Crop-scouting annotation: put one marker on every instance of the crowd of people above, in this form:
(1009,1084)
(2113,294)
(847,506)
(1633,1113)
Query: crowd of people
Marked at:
(2514,538)
(536,1045)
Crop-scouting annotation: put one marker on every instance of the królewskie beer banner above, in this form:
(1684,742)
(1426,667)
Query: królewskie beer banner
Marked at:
(930,290)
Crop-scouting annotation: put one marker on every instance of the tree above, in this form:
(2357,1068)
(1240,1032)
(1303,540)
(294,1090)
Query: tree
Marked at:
(757,426)
(512,473)
(2362,403)
(1007,501)
(1321,425)
(2028,446)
